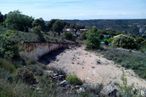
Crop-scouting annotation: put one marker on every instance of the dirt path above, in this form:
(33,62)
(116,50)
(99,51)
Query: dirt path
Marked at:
(93,68)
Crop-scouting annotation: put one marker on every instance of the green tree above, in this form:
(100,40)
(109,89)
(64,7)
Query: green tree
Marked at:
(39,22)
(1,17)
(50,24)
(58,26)
(93,41)
(18,21)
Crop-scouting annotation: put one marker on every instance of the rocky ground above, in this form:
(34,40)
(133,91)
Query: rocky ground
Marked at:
(93,68)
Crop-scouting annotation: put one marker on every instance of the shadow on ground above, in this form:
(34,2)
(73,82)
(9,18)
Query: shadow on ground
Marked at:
(47,58)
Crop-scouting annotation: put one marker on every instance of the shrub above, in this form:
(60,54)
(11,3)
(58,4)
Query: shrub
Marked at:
(124,41)
(143,46)
(8,48)
(68,36)
(6,65)
(74,80)
(15,89)
(36,69)
(37,30)
(4,74)
(26,75)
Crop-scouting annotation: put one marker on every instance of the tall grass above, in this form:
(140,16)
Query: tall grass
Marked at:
(134,60)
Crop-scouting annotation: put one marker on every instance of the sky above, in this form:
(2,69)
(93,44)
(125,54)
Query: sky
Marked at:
(77,9)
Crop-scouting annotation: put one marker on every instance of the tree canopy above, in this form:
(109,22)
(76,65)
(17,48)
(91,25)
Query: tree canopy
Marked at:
(58,26)
(39,22)
(17,20)
(1,17)
(93,41)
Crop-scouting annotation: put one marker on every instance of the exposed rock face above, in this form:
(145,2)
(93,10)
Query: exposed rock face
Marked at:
(36,50)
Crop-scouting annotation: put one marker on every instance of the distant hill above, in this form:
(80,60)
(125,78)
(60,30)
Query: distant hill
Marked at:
(134,26)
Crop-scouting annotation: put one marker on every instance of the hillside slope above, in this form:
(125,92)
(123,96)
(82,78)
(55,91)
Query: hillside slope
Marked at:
(93,68)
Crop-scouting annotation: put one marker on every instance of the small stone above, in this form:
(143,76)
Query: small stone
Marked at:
(63,83)
(98,62)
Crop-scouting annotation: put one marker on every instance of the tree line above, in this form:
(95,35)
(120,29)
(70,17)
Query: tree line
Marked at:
(17,21)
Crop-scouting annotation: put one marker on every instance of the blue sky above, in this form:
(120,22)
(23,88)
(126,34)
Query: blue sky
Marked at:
(77,9)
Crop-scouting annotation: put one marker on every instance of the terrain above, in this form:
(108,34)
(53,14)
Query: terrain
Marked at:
(93,68)
(60,58)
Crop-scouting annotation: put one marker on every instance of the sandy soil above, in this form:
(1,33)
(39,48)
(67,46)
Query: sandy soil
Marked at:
(92,68)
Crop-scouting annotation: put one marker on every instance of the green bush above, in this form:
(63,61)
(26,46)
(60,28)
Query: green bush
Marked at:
(143,46)
(68,36)
(124,41)
(17,20)
(26,75)
(4,74)
(6,65)
(73,79)
(37,30)
(8,48)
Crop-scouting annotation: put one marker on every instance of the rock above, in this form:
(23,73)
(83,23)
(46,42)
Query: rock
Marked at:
(81,90)
(63,83)
(58,77)
(77,87)
(98,62)
(110,90)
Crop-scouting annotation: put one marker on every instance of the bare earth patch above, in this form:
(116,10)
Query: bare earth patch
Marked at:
(93,68)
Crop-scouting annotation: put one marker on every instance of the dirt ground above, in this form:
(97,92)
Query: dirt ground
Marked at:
(93,68)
